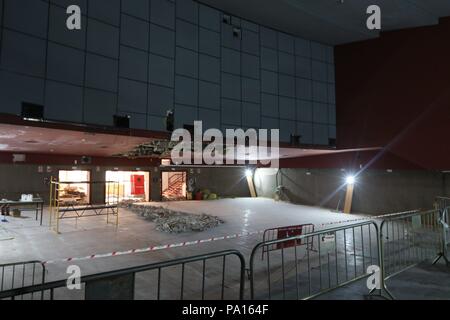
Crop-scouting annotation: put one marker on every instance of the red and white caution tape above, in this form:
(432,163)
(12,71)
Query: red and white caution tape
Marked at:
(195,242)
(369,217)
(155,248)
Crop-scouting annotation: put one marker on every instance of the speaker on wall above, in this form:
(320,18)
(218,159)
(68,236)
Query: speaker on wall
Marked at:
(332,142)
(170,120)
(32,111)
(295,140)
(121,121)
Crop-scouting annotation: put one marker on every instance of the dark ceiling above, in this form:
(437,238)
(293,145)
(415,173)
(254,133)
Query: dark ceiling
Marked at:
(31,139)
(334,21)
(40,140)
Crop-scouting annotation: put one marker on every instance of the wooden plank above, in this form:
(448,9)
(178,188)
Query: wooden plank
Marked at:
(251,186)
(348,198)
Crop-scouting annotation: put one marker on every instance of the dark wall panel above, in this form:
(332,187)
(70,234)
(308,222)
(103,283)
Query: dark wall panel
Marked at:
(395,91)
(143,51)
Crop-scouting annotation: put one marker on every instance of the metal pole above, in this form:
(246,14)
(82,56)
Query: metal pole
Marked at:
(57,207)
(50,202)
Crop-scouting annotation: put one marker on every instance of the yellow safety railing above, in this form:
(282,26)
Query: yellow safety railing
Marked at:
(58,210)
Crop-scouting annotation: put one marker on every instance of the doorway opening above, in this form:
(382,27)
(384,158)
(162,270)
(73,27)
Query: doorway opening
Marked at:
(134,186)
(173,185)
(76,190)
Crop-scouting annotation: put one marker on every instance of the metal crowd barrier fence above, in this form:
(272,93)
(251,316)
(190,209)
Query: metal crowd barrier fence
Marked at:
(303,266)
(340,257)
(441,203)
(286,232)
(207,276)
(407,240)
(21,274)
(445,222)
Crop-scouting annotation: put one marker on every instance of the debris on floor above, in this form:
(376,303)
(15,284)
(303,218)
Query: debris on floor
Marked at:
(281,194)
(128,203)
(172,221)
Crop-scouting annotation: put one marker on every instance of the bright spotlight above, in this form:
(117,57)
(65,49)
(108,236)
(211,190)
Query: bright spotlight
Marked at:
(350,180)
(248,173)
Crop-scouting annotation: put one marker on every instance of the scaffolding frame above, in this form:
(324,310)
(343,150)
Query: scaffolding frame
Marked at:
(58,210)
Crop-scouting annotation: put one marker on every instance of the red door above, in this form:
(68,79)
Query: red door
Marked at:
(137,184)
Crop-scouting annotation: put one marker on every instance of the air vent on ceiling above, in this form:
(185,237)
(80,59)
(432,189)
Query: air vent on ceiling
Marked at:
(86,160)
(31,111)
(18,157)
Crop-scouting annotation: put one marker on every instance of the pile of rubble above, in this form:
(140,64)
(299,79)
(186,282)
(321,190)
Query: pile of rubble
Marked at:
(172,221)
(128,203)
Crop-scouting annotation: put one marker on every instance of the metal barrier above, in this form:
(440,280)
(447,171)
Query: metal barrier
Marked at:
(445,222)
(294,272)
(291,269)
(286,232)
(441,203)
(194,279)
(407,240)
(21,274)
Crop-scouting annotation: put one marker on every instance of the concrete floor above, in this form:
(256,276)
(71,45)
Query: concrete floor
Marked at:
(422,282)
(91,235)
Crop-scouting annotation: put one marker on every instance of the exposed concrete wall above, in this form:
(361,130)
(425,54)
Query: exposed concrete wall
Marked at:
(380,191)
(18,179)
(446,182)
(226,182)
(310,189)
(27,178)
(376,191)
